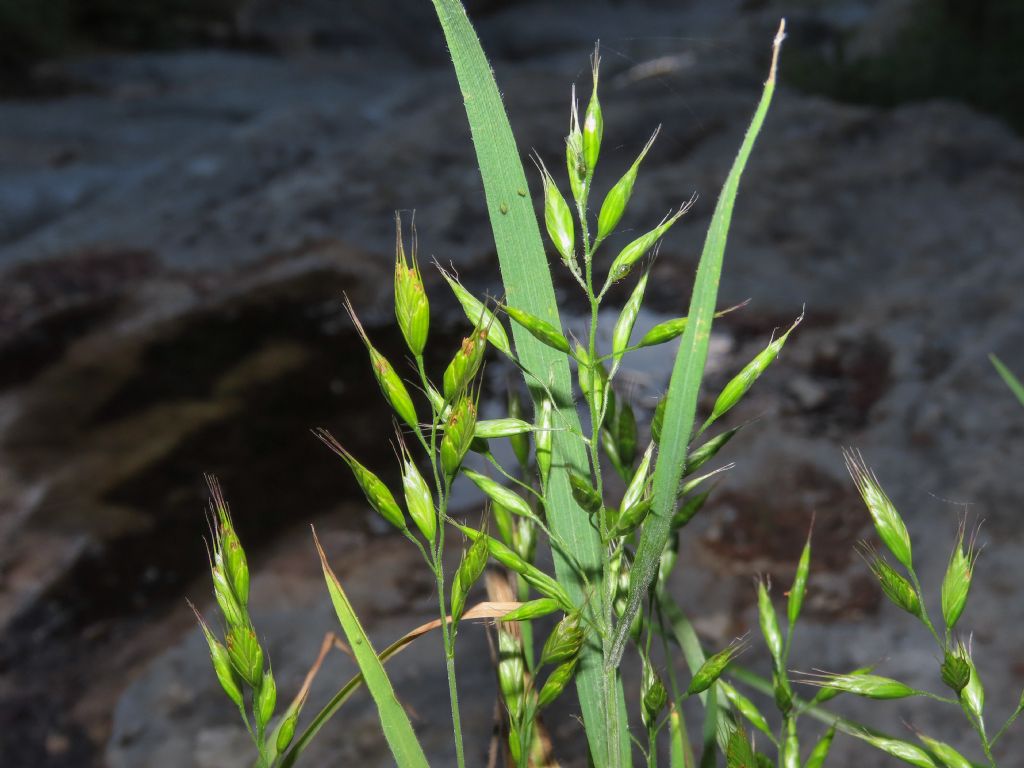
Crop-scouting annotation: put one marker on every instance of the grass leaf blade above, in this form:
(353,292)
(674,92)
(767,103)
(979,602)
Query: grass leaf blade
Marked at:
(528,286)
(401,738)
(1011,381)
(687,373)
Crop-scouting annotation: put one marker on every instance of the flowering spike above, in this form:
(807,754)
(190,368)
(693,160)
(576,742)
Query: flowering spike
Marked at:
(593,120)
(418,499)
(412,309)
(896,588)
(888,523)
(957,583)
(558,218)
(636,250)
(713,667)
(391,385)
(740,384)
(615,202)
(377,494)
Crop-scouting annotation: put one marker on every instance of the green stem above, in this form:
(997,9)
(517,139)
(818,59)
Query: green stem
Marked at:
(925,619)
(449,653)
(1006,725)
(610,686)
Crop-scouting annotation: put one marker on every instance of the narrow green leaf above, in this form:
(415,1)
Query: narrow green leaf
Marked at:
(397,729)
(528,286)
(684,387)
(1011,381)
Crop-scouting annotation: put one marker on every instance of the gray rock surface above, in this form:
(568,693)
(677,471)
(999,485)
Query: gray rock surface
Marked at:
(173,241)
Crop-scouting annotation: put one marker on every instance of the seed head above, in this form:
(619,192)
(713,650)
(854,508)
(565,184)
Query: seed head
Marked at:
(869,686)
(469,571)
(769,625)
(221,662)
(411,307)
(667,561)
(799,588)
(637,249)
(653,696)
(418,499)
(286,732)
(511,672)
(532,609)
(266,700)
(593,120)
(228,554)
(526,538)
(458,435)
(746,707)
(615,202)
(559,678)
(827,694)
(558,218)
(713,667)
(465,365)
(949,756)
(955,670)
(690,507)
(246,654)
(593,379)
(500,495)
(625,433)
(627,317)
(478,314)
(735,390)
(698,457)
(583,492)
(973,694)
(671,329)
(234,615)
(888,523)
(782,692)
(957,583)
(738,752)
(377,494)
(564,642)
(574,161)
(532,575)
(390,383)
(896,588)
(543,439)
(658,419)
(541,330)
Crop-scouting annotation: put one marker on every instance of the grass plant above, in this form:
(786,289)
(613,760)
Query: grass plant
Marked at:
(612,554)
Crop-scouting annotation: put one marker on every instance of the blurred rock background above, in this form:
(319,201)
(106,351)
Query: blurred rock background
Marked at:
(186,189)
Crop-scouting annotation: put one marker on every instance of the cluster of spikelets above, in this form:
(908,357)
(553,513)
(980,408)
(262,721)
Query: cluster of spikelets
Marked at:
(449,428)
(241,665)
(956,668)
